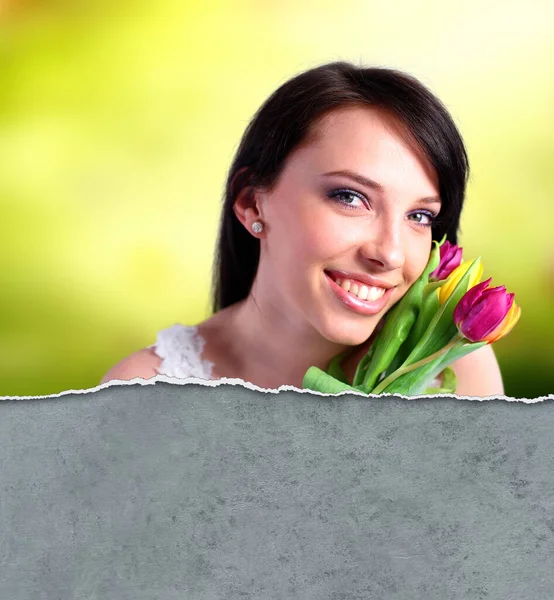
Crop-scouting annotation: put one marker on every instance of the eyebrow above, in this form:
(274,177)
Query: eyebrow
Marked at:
(373,185)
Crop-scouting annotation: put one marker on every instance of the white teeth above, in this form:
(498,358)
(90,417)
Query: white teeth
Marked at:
(375,293)
(361,291)
(345,285)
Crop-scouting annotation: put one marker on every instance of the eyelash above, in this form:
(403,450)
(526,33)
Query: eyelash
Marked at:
(333,194)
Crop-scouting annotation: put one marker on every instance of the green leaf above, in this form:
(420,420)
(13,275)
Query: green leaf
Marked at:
(398,360)
(363,365)
(449,383)
(429,307)
(319,381)
(449,380)
(335,370)
(414,382)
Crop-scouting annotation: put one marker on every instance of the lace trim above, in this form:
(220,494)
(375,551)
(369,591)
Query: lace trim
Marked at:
(180,347)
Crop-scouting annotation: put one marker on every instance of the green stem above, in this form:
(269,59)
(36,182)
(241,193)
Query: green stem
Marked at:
(420,363)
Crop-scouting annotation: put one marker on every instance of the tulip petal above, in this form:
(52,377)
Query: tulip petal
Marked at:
(446,290)
(450,259)
(468,299)
(448,286)
(486,314)
(506,326)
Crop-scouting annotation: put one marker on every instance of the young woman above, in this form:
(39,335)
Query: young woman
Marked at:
(341,182)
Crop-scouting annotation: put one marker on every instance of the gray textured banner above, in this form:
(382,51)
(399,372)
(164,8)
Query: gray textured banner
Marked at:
(195,493)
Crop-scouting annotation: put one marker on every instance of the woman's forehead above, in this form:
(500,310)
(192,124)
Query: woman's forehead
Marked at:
(352,136)
(358,121)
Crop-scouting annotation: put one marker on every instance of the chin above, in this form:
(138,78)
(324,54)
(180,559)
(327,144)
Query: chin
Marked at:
(348,333)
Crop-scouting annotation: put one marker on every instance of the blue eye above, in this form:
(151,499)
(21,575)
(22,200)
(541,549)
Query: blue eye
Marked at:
(348,198)
(423,218)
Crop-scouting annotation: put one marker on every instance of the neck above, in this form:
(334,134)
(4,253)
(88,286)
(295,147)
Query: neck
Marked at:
(270,349)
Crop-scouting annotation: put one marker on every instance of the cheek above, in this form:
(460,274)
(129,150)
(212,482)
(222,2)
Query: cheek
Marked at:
(308,235)
(417,262)
(321,240)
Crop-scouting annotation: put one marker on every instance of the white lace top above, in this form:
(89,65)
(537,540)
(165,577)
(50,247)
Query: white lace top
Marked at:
(180,348)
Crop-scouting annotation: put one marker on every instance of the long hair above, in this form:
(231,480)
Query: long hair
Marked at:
(283,122)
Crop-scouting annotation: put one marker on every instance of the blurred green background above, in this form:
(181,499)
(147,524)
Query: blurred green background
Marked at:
(118,122)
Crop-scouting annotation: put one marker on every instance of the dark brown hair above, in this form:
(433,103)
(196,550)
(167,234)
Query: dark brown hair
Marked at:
(282,124)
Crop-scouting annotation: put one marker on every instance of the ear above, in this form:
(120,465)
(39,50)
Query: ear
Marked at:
(247,205)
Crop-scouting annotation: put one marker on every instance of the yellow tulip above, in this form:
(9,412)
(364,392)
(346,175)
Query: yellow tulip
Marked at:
(446,289)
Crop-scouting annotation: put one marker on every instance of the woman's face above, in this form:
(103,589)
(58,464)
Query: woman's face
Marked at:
(347,226)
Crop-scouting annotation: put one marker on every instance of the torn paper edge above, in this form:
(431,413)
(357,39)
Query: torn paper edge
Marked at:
(251,386)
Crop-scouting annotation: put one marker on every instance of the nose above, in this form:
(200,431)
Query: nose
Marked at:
(383,247)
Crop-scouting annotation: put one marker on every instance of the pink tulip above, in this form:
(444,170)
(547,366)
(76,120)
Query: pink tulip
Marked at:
(486,315)
(451,257)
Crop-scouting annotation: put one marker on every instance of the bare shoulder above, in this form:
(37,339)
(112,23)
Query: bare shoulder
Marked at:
(478,374)
(143,364)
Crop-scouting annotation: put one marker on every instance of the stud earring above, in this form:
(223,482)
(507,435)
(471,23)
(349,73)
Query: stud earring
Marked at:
(257,227)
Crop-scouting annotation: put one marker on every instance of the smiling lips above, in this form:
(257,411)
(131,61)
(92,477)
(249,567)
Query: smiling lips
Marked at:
(361,293)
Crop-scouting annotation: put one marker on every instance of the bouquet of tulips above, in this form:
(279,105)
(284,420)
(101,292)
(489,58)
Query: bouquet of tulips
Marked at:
(445,315)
